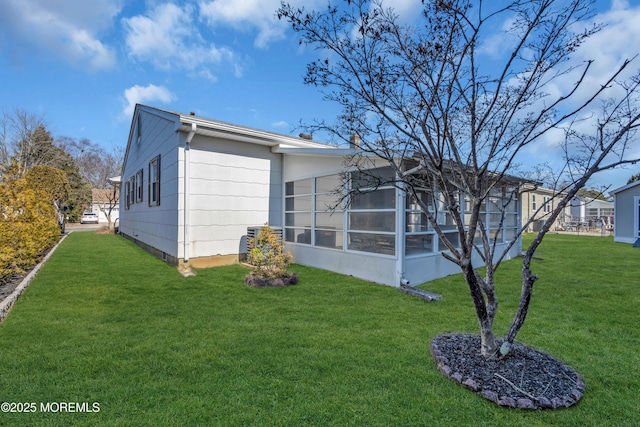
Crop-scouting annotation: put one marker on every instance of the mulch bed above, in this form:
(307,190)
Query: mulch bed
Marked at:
(525,378)
(261,282)
(9,284)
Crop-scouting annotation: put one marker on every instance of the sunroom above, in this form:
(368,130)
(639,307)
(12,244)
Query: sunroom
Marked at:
(339,221)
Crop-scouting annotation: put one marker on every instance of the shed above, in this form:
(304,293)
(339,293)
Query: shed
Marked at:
(627,213)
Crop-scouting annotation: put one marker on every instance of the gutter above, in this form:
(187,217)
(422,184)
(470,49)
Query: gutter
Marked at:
(244,134)
(185,220)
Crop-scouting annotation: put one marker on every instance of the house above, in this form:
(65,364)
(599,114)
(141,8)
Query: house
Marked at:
(627,213)
(588,212)
(105,202)
(192,188)
(538,203)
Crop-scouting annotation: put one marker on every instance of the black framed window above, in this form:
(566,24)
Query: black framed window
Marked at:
(139,180)
(154,181)
(127,192)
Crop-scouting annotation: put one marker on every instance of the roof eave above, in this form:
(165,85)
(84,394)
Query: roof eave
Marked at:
(215,128)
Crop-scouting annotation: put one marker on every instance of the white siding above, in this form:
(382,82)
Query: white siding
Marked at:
(300,167)
(372,267)
(625,215)
(156,226)
(233,185)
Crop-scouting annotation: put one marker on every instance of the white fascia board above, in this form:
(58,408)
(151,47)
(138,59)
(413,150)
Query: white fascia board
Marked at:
(240,133)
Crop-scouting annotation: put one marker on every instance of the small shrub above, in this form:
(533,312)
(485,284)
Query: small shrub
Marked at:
(268,258)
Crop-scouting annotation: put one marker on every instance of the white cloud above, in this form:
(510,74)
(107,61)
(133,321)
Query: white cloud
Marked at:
(168,37)
(253,14)
(407,10)
(143,94)
(618,40)
(260,15)
(66,28)
(281,124)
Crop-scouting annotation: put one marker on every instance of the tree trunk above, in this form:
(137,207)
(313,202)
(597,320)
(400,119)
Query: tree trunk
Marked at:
(528,279)
(483,313)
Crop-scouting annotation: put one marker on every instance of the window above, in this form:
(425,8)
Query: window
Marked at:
(154,181)
(534,205)
(419,234)
(139,186)
(599,212)
(504,214)
(132,194)
(547,204)
(298,211)
(420,237)
(371,213)
(139,129)
(309,212)
(606,211)
(328,217)
(499,213)
(127,193)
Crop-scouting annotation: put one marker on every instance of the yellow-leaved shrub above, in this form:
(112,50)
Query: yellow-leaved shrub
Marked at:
(267,256)
(28,224)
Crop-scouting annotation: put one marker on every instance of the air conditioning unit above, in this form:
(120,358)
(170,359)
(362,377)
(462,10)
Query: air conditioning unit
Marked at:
(252,233)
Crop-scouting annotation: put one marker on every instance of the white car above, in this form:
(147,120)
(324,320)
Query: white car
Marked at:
(89,218)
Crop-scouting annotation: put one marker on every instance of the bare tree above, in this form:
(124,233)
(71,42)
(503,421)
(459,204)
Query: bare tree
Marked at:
(27,142)
(97,166)
(453,125)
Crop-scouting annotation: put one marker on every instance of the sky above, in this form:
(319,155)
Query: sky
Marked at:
(83,65)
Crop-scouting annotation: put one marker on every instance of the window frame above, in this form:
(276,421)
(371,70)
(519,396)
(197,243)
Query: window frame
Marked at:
(312,232)
(139,186)
(154,181)
(127,195)
(386,244)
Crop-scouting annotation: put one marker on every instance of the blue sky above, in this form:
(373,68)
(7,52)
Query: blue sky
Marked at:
(83,65)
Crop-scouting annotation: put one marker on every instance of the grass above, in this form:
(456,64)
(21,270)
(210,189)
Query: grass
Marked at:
(105,322)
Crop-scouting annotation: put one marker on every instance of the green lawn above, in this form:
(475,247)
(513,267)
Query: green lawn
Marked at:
(105,322)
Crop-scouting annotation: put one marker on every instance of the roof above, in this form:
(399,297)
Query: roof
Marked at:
(534,187)
(215,128)
(626,187)
(99,195)
(187,123)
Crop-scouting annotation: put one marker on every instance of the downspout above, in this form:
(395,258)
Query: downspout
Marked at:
(185,220)
(401,194)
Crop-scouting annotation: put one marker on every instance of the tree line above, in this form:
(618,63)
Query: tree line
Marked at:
(44,182)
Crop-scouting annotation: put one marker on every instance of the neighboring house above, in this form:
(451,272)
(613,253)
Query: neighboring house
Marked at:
(538,203)
(627,213)
(105,202)
(192,187)
(592,213)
